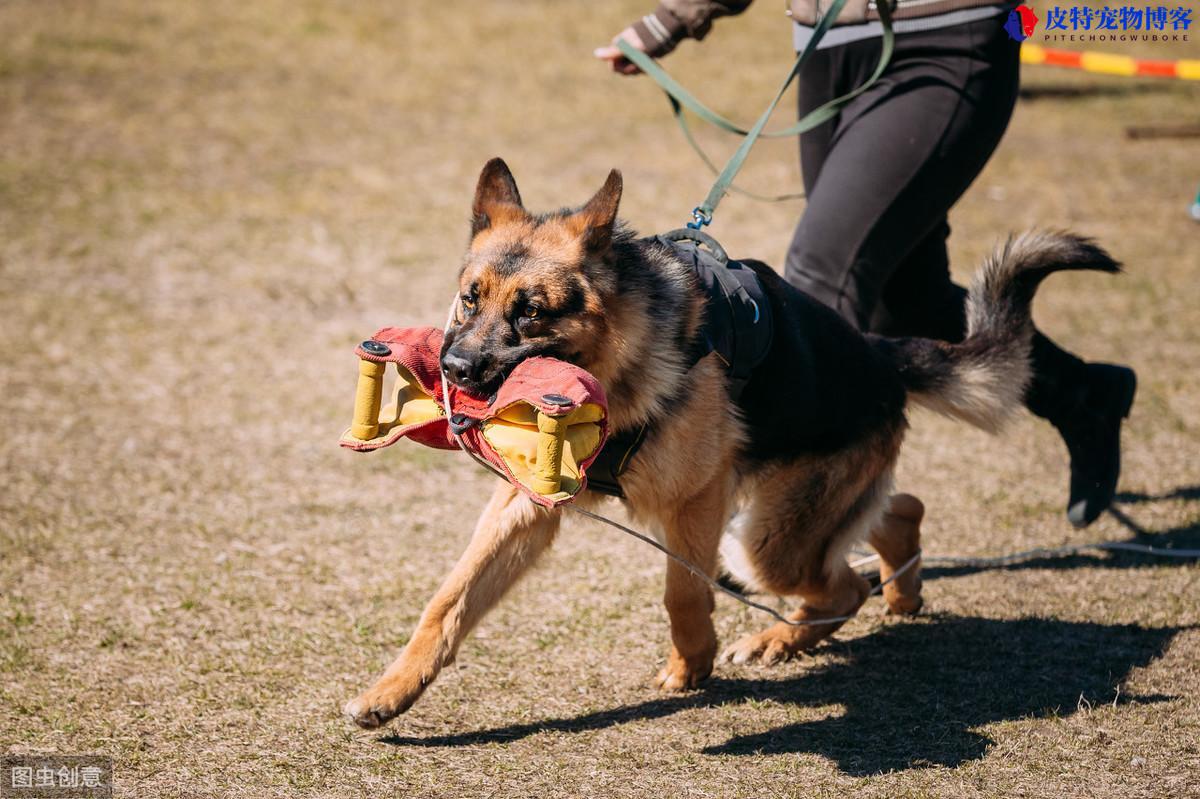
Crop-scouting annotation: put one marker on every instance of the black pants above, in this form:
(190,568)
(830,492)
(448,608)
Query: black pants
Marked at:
(882,176)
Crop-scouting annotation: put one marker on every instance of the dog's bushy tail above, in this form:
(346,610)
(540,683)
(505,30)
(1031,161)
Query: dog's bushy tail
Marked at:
(983,379)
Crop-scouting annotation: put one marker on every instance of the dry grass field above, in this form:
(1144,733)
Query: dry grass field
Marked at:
(204,206)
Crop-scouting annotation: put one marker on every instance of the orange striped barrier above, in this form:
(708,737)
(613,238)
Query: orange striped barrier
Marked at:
(1110,64)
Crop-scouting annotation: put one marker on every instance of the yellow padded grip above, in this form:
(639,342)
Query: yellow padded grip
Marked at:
(552,431)
(367,399)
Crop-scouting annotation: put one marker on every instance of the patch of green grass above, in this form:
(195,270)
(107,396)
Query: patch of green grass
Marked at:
(76,44)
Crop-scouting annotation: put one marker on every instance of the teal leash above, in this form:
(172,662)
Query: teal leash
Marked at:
(680,99)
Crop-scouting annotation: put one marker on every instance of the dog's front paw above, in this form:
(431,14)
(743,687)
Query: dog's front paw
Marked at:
(682,673)
(366,713)
(382,703)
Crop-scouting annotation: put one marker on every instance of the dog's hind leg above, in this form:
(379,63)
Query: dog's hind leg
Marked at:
(838,594)
(804,516)
(897,539)
(510,535)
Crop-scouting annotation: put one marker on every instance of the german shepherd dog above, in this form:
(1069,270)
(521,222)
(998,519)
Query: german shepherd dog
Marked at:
(805,454)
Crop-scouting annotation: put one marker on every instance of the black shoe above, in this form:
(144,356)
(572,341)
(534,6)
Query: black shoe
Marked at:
(1093,437)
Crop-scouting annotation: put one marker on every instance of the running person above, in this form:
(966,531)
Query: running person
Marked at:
(882,176)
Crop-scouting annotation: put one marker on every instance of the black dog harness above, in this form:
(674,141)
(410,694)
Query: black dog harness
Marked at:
(737,328)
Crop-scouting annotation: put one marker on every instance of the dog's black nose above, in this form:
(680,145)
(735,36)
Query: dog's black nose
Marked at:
(458,368)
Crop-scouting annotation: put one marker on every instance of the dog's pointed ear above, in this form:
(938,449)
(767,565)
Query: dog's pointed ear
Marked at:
(594,221)
(496,196)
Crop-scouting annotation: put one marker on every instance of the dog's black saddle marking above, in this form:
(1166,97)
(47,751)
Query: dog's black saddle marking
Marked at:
(737,327)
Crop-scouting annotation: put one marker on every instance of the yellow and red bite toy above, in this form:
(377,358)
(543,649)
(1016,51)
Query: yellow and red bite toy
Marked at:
(541,429)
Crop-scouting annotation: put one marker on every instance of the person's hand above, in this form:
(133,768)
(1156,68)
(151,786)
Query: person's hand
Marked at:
(613,56)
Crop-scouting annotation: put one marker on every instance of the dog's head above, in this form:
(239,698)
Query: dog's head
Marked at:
(530,284)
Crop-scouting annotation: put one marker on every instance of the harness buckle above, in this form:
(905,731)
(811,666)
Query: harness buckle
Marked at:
(699,218)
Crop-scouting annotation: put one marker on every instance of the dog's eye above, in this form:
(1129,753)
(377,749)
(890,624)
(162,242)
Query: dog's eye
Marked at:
(531,312)
(468,303)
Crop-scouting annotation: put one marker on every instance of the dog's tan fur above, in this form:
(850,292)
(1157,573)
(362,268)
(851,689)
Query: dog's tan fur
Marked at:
(685,480)
(575,285)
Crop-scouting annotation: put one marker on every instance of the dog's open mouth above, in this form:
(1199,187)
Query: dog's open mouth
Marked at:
(483,389)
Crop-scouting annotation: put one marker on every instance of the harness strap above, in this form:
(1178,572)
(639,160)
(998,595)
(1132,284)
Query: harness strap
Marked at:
(739,326)
(680,98)
(604,475)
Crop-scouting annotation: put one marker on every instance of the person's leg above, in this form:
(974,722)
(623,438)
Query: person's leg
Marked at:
(919,297)
(817,87)
(1087,403)
(898,157)
(872,241)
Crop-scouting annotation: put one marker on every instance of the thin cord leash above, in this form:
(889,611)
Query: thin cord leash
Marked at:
(1070,549)
(696,571)
(995,561)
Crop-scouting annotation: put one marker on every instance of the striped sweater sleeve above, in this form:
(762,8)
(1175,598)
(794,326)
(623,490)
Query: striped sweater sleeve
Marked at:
(675,20)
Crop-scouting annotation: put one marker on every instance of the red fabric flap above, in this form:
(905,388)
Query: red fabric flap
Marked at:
(550,385)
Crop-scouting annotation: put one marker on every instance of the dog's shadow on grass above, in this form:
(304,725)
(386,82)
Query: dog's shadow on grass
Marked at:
(913,694)
(916,695)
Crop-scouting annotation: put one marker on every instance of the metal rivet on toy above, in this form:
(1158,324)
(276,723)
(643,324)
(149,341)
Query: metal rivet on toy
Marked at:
(372,347)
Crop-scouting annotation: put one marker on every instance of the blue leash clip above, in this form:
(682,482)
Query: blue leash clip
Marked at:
(699,219)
